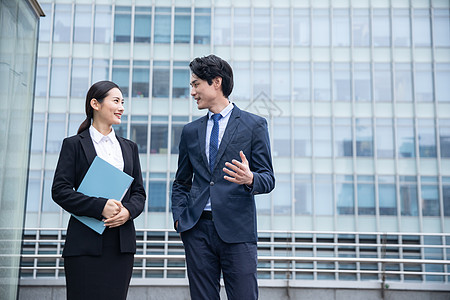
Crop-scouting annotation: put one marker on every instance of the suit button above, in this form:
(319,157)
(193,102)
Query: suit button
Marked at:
(211,183)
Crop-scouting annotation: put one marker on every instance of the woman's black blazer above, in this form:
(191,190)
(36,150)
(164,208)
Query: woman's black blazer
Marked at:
(77,154)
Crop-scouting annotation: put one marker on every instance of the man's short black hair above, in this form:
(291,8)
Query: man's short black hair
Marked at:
(211,66)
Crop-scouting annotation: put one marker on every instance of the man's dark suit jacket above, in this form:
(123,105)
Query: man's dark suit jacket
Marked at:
(77,154)
(233,205)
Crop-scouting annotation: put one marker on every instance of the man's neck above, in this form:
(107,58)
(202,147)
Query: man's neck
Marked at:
(219,105)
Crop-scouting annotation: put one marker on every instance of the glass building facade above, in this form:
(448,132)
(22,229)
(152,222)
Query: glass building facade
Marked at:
(19,23)
(356,94)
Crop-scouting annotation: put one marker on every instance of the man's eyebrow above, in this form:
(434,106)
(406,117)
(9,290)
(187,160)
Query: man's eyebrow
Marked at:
(193,81)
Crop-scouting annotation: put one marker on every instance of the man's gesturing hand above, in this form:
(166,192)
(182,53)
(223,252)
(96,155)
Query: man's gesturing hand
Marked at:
(239,172)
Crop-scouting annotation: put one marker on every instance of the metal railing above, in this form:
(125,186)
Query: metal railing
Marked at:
(282,255)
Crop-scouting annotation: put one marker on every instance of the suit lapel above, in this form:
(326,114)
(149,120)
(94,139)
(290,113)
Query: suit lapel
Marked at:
(88,146)
(126,154)
(202,139)
(233,123)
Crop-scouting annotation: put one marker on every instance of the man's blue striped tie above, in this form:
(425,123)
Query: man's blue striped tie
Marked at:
(214,141)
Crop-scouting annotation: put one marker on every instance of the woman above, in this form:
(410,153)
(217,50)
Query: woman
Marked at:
(99,266)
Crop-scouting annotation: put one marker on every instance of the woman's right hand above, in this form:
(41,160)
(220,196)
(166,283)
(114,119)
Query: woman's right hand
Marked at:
(112,208)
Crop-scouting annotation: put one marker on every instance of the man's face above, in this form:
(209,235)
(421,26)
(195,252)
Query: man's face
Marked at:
(205,94)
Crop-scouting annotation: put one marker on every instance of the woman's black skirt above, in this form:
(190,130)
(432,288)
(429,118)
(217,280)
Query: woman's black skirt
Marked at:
(100,277)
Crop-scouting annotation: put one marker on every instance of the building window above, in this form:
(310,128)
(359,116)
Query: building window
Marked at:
(83,24)
(430,196)
(387,195)
(364,137)
(181,75)
(162,25)
(59,77)
(381,31)
(341,28)
(446,195)
(141,79)
(342,88)
(421,28)
(427,138)
(382,86)
(56,132)
(282,137)
(403,82)
(142,24)
(366,195)
(303,194)
(321,27)
(281,81)
(441,27)
(100,70)
(442,79)
(62,23)
(385,138)
(322,137)
(343,137)
(102,24)
(323,195)
(345,195)
(423,82)
(138,132)
(362,82)
(444,137)
(302,137)
(321,82)
(361,27)
(159,135)
(401,32)
(242,25)
(261,26)
(122,24)
(182,26)
(222,26)
(405,138)
(302,82)
(202,26)
(79,79)
(408,195)
(281,27)
(301,27)
(157,197)
(121,75)
(161,79)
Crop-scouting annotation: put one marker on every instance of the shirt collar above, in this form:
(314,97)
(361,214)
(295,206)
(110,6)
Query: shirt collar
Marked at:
(224,112)
(97,136)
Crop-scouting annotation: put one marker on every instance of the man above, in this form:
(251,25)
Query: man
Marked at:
(224,160)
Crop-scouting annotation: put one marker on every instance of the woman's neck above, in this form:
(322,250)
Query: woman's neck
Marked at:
(102,128)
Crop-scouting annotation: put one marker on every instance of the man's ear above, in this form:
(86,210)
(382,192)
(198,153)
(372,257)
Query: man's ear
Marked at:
(217,81)
(94,104)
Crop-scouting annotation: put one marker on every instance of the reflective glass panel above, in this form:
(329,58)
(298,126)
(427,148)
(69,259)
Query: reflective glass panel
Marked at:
(387,195)
(303,194)
(405,138)
(427,138)
(408,195)
(83,24)
(102,24)
(122,24)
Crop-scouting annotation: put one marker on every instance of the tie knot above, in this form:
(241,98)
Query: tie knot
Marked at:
(216,117)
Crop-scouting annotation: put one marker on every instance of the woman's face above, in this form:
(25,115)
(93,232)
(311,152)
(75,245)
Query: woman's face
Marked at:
(110,111)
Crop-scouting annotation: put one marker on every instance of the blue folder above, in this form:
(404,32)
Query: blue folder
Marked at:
(103,180)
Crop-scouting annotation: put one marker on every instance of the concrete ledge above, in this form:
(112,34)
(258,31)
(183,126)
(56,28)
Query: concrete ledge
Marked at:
(266,293)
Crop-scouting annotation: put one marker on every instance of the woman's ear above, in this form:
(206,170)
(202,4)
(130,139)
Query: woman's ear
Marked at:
(94,104)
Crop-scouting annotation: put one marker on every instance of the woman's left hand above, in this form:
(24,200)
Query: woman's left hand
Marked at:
(119,219)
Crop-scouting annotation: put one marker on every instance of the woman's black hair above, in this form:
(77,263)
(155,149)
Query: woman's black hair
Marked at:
(211,66)
(98,91)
